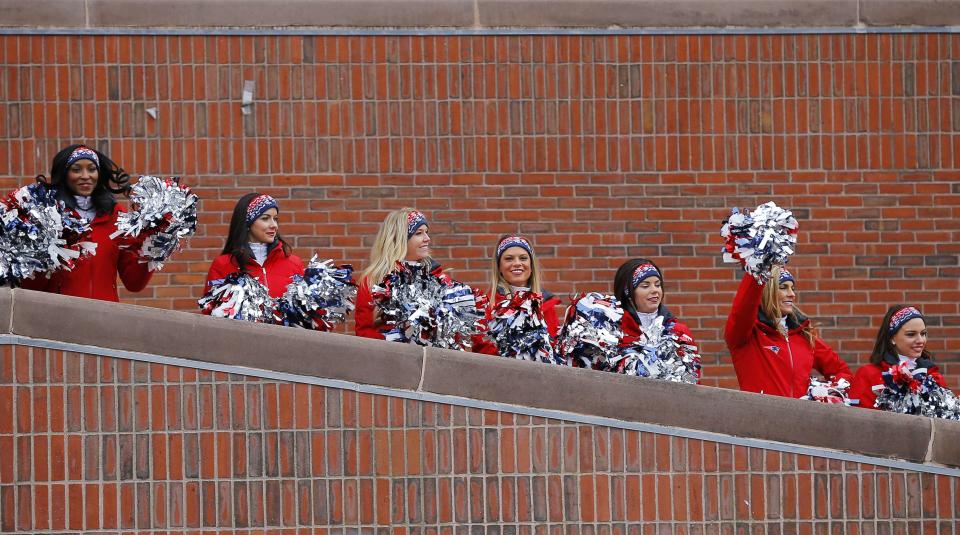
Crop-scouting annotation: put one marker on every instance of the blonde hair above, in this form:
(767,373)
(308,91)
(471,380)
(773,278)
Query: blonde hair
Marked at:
(389,247)
(497,280)
(770,305)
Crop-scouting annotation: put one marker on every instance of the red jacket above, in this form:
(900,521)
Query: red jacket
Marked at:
(764,360)
(275,274)
(365,311)
(95,277)
(483,344)
(870,375)
(632,331)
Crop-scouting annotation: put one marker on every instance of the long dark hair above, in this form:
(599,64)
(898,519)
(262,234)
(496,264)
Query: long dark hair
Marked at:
(884,343)
(238,238)
(102,196)
(623,283)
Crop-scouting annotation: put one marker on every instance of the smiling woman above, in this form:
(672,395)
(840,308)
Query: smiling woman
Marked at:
(902,339)
(515,269)
(86,180)
(254,246)
(638,286)
(404,236)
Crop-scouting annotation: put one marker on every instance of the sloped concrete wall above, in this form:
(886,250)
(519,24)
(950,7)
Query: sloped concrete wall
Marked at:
(121,417)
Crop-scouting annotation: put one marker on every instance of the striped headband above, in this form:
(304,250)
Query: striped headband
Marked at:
(643,272)
(415,220)
(513,241)
(83,153)
(258,206)
(902,316)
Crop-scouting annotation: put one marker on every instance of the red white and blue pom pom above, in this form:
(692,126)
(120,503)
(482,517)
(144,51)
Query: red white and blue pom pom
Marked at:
(760,239)
(834,392)
(40,235)
(241,297)
(164,213)
(915,392)
(427,308)
(591,332)
(320,299)
(519,330)
(660,353)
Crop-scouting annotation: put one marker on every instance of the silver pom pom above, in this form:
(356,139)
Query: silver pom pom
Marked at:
(660,353)
(40,235)
(760,239)
(321,298)
(164,213)
(427,308)
(591,333)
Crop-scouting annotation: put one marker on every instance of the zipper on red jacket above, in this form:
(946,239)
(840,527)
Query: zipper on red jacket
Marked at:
(792,368)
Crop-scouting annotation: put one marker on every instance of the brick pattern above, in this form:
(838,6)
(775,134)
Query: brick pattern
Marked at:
(103,444)
(598,147)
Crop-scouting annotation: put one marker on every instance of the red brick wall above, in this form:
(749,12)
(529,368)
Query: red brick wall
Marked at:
(599,147)
(95,443)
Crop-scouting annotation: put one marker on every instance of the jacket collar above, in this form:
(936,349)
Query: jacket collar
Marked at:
(792,326)
(662,310)
(892,359)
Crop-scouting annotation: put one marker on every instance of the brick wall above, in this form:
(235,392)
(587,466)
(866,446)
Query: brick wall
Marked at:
(598,147)
(112,445)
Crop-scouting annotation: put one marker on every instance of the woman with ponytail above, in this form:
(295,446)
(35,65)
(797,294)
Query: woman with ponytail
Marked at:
(773,344)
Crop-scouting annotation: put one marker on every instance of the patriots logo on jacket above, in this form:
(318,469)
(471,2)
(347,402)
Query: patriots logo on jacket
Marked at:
(775,349)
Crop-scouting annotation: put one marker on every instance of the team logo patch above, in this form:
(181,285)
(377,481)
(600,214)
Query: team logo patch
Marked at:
(775,349)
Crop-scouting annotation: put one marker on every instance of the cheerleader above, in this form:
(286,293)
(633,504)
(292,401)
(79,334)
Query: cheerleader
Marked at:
(254,246)
(404,236)
(773,345)
(83,178)
(638,285)
(516,269)
(902,338)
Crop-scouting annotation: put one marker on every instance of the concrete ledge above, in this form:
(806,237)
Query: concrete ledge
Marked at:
(42,13)
(674,14)
(216,340)
(478,14)
(377,13)
(714,410)
(909,12)
(945,448)
(479,377)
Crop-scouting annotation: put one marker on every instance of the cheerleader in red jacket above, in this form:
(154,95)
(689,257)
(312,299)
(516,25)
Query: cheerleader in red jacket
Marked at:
(404,236)
(902,339)
(638,285)
(773,345)
(254,246)
(83,176)
(515,269)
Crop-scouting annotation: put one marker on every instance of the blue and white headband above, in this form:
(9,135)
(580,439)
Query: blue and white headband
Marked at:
(643,272)
(415,220)
(513,241)
(83,153)
(902,316)
(785,276)
(258,206)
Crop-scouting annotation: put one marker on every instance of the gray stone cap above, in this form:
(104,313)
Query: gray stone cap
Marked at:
(479,15)
(378,363)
